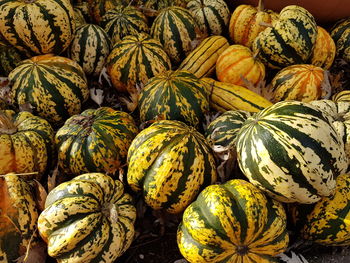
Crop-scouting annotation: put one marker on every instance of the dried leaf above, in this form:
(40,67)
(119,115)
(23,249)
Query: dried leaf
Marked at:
(51,180)
(26,107)
(36,254)
(227,158)
(267,92)
(40,195)
(97,96)
(249,85)
(104,76)
(181,261)
(326,86)
(5,90)
(148,11)
(294,259)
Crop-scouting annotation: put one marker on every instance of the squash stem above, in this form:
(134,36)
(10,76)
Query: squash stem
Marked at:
(261,6)
(6,124)
(110,211)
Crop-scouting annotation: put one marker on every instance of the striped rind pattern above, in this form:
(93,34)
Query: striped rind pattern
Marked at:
(289,41)
(170,163)
(54,86)
(212,17)
(233,222)
(292,151)
(134,60)
(38,27)
(302,82)
(9,58)
(341,36)
(174,95)
(95,141)
(175,28)
(225,96)
(98,8)
(89,48)
(30,148)
(88,219)
(202,60)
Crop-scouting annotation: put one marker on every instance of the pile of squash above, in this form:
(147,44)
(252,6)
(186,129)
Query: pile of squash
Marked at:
(208,83)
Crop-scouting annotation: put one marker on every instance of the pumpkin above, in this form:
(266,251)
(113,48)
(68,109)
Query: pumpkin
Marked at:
(95,141)
(88,219)
(212,17)
(37,27)
(290,39)
(247,22)
(18,218)
(236,64)
(292,151)
(202,60)
(226,96)
(299,82)
(176,29)
(233,222)
(174,95)
(134,60)
(90,48)
(98,8)
(26,143)
(54,86)
(341,36)
(324,50)
(122,21)
(170,163)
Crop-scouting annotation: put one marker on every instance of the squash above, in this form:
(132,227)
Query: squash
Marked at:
(299,82)
(236,64)
(324,50)
(343,95)
(9,58)
(157,5)
(123,21)
(176,29)
(98,8)
(341,36)
(290,40)
(88,219)
(202,60)
(26,143)
(212,17)
(97,140)
(174,95)
(247,22)
(55,87)
(170,163)
(225,96)
(18,218)
(78,18)
(90,48)
(292,151)
(134,60)
(233,222)
(37,27)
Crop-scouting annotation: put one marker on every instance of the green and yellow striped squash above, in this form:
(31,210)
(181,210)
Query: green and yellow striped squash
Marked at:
(83,7)
(225,96)
(98,8)
(9,57)
(97,140)
(134,60)
(292,151)
(54,86)
(202,60)
(90,48)
(37,27)
(176,29)
(26,143)
(324,50)
(290,39)
(300,82)
(123,21)
(236,64)
(341,36)
(170,163)
(18,218)
(78,18)
(174,95)
(233,222)
(88,219)
(343,95)
(157,5)
(328,223)
(212,17)
(247,22)
(223,130)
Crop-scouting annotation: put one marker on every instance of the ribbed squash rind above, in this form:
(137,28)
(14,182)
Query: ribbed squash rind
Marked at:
(341,36)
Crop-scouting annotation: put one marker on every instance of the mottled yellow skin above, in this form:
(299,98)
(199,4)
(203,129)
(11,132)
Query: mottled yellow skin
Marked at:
(225,96)
(301,82)
(234,222)
(340,33)
(202,60)
(29,147)
(18,217)
(91,212)
(238,62)
(324,50)
(343,95)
